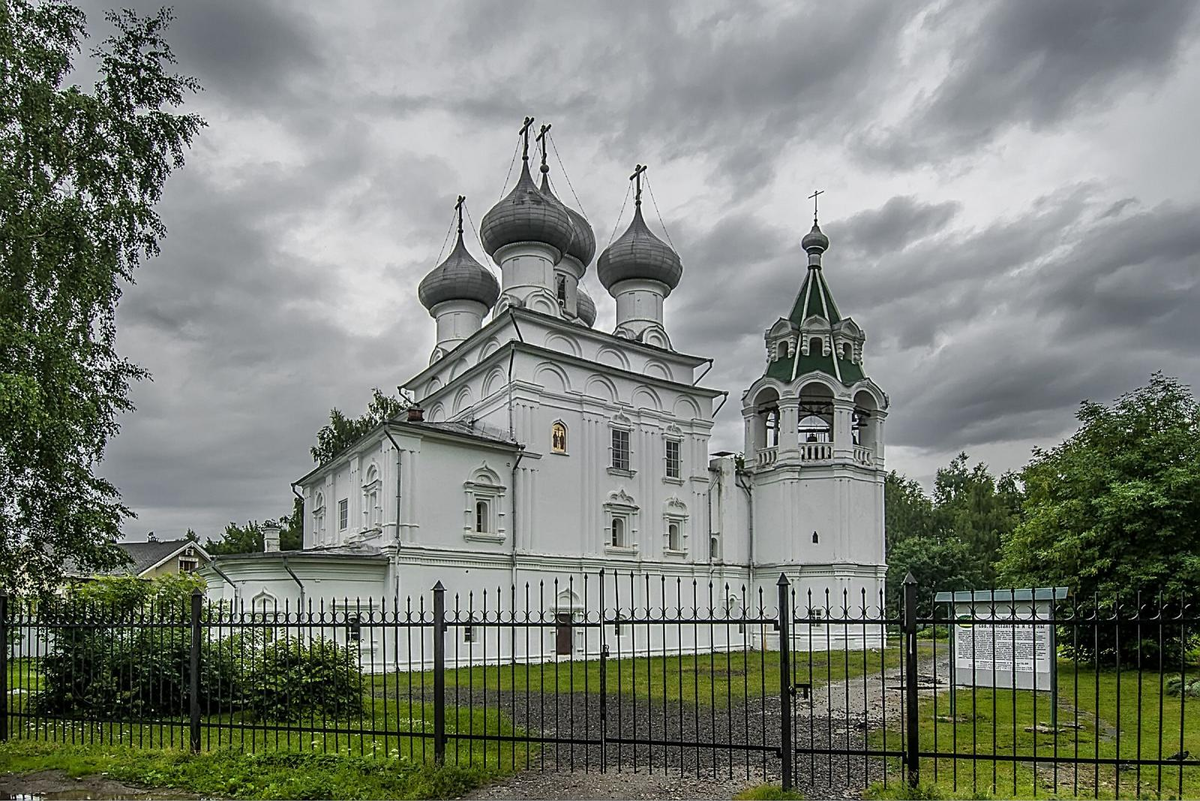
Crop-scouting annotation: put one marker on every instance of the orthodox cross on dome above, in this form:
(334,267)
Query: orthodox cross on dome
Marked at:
(541,140)
(637,179)
(458,208)
(524,133)
(813,197)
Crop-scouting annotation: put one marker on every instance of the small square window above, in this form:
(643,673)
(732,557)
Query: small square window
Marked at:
(468,634)
(620,449)
(188,565)
(674,460)
(343,514)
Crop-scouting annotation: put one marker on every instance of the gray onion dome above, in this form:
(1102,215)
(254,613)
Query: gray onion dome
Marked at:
(526,215)
(583,244)
(815,241)
(585,307)
(638,253)
(459,277)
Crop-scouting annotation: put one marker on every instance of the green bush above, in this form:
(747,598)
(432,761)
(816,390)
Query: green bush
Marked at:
(293,679)
(106,662)
(1178,685)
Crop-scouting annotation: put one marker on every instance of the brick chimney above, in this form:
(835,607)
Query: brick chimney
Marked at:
(270,538)
(416,414)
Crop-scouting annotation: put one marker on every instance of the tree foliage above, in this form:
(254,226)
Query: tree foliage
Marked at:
(341,432)
(249,538)
(1115,509)
(80,175)
(953,540)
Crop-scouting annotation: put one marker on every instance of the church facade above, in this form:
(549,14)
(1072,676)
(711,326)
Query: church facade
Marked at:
(545,447)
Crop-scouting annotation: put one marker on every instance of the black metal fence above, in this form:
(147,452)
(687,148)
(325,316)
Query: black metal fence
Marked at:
(1003,692)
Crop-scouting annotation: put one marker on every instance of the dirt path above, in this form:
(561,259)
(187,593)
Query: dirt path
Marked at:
(56,785)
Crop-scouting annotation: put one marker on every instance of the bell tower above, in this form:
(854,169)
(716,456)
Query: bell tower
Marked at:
(814,446)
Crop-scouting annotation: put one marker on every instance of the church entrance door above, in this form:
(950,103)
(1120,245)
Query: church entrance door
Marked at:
(563,635)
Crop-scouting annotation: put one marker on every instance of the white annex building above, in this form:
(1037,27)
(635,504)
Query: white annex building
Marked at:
(546,446)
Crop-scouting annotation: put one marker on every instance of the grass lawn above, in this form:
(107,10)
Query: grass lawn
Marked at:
(718,679)
(232,774)
(995,721)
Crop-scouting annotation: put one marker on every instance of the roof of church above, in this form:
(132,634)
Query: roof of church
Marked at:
(814,299)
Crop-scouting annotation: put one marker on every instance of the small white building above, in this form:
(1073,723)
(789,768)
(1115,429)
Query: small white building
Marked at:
(545,449)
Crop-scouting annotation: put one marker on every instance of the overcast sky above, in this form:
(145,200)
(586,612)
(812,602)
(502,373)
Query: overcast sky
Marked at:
(1012,193)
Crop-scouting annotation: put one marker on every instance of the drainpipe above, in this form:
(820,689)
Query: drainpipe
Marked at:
(296,579)
(228,580)
(750,527)
(396,558)
(513,545)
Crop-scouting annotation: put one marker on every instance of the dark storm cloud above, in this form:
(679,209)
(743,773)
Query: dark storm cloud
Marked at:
(1033,64)
(326,180)
(979,335)
(896,224)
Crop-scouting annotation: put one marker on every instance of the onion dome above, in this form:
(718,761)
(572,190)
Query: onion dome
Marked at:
(585,307)
(639,254)
(459,277)
(526,215)
(815,241)
(583,244)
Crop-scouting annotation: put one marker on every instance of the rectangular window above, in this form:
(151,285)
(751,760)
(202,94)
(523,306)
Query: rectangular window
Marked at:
(673,458)
(468,634)
(620,449)
(353,628)
(187,565)
(343,514)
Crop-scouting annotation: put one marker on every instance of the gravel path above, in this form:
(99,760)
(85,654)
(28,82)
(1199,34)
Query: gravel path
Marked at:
(835,717)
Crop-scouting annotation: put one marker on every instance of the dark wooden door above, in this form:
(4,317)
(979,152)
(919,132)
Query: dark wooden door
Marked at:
(563,636)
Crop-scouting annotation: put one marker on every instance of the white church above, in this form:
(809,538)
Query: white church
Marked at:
(546,446)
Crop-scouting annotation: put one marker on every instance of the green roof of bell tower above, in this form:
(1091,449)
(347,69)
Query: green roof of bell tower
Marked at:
(815,300)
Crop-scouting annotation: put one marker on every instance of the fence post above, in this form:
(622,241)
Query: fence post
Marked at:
(785,682)
(3,667)
(912,760)
(194,678)
(439,673)
(603,679)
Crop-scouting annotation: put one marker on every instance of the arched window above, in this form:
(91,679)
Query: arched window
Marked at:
(372,512)
(558,437)
(482,517)
(674,539)
(847,351)
(618,532)
(814,347)
(782,351)
(319,517)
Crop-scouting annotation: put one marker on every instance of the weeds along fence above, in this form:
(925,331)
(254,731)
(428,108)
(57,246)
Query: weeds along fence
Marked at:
(1005,691)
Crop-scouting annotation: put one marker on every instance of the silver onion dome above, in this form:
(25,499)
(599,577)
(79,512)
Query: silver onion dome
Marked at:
(639,254)
(815,240)
(585,307)
(526,215)
(583,243)
(459,277)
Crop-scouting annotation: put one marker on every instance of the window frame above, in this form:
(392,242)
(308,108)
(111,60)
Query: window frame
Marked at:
(343,514)
(620,459)
(566,438)
(678,461)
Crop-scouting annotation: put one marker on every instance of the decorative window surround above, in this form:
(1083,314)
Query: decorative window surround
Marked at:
(675,516)
(620,510)
(484,485)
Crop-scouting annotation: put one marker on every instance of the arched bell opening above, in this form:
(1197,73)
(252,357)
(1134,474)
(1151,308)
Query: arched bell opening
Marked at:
(865,426)
(815,427)
(766,419)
